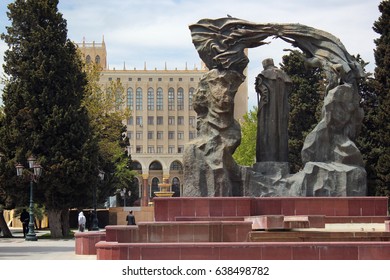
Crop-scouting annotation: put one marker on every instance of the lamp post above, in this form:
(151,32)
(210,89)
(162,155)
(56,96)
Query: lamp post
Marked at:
(34,176)
(95,221)
(123,195)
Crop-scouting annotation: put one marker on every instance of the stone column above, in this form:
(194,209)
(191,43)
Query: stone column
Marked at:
(145,191)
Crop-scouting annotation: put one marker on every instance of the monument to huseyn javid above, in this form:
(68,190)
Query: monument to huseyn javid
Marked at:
(333,165)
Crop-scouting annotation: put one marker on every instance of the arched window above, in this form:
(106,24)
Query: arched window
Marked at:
(176,186)
(191,98)
(159,99)
(180,99)
(155,165)
(97,60)
(118,98)
(137,189)
(138,99)
(154,187)
(176,165)
(88,59)
(171,99)
(130,96)
(150,99)
(136,165)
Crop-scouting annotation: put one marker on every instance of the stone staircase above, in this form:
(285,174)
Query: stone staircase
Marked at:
(247,228)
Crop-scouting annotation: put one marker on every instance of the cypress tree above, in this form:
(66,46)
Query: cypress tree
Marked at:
(381,130)
(43,110)
(305,101)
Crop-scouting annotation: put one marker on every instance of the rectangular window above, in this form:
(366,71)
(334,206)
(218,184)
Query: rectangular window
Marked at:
(171,79)
(160,134)
(180,120)
(138,149)
(150,79)
(180,149)
(171,149)
(139,79)
(130,79)
(160,149)
(192,121)
(171,134)
(150,149)
(130,121)
(138,135)
(180,135)
(159,79)
(171,120)
(150,120)
(129,135)
(150,135)
(180,79)
(160,120)
(191,135)
(138,121)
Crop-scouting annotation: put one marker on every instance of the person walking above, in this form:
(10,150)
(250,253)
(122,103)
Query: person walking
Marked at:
(81,220)
(24,219)
(130,219)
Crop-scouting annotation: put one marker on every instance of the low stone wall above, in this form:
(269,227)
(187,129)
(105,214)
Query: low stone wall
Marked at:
(86,241)
(141,214)
(244,251)
(171,209)
(198,231)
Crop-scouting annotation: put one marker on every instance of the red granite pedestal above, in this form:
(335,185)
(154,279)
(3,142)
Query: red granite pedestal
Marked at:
(223,228)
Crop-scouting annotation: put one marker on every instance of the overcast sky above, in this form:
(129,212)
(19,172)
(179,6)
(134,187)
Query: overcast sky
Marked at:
(156,31)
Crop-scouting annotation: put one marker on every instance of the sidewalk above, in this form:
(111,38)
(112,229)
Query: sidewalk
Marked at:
(17,248)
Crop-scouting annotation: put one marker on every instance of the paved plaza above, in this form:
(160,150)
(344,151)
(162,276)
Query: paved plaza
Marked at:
(17,248)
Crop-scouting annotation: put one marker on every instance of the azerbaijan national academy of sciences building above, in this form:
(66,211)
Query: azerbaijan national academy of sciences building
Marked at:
(162,118)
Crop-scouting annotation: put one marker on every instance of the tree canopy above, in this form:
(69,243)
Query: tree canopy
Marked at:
(381,123)
(43,110)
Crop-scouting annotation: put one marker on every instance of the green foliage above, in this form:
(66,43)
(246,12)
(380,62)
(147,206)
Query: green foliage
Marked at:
(42,106)
(245,154)
(305,102)
(106,108)
(381,117)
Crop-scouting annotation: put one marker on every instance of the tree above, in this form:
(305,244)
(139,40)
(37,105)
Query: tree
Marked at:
(366,138)
(305,102)
(107,108)
(43,110)
(381,129)
(245,154)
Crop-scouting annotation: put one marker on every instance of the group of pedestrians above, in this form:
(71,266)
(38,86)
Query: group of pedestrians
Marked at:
(82,220)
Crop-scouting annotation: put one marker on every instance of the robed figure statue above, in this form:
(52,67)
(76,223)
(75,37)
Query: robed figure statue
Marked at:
(273,87)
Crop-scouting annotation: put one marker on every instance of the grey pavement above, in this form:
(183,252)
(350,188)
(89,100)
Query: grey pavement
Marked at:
(17,248)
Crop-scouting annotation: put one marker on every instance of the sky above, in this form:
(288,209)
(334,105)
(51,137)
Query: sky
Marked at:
(156,32)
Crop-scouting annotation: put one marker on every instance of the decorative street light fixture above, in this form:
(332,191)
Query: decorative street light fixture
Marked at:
(34,176)
(95,221)
(123,195)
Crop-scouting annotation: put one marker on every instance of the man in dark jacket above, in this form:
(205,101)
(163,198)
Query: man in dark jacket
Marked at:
(130,219)
(24,219)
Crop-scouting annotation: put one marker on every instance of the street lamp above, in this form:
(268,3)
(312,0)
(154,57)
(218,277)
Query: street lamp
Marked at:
(34,176)
(95,221)
(123,195)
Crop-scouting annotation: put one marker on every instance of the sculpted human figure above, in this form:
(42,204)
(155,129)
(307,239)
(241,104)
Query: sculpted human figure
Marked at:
(273,87)
(333,164)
